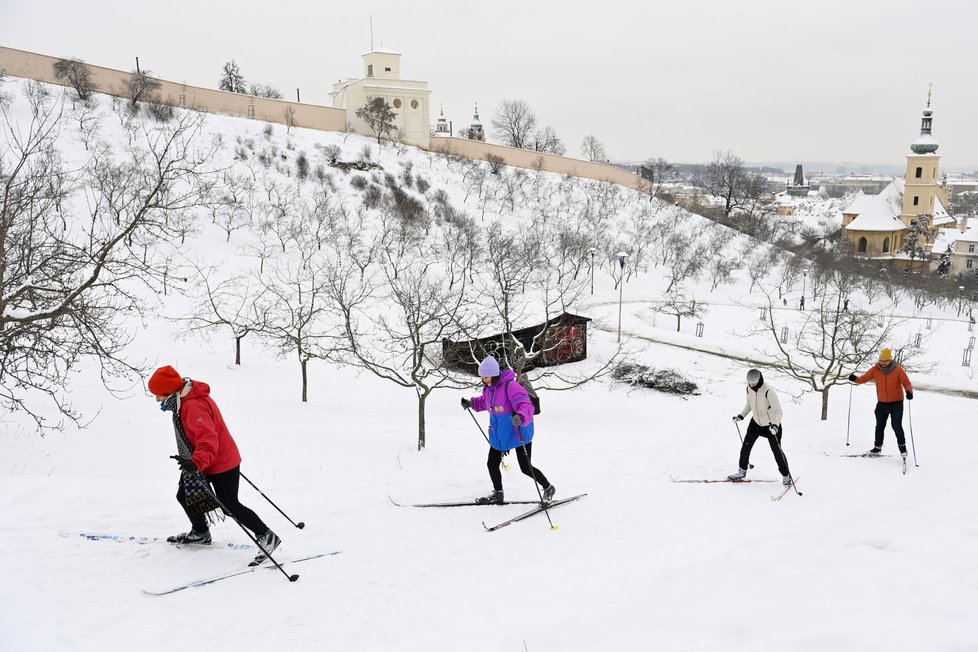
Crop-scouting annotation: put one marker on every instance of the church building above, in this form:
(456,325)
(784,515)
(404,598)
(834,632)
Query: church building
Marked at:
(382,78)
(876,226)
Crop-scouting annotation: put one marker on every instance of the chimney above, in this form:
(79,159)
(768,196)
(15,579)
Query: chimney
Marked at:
(964,223)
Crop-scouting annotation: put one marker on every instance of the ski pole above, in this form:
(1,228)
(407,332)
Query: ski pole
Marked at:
(299,525)
(849,418)
(210,490)
(750,466)
(781,452)
(505,465)
(912,446)
(535,483)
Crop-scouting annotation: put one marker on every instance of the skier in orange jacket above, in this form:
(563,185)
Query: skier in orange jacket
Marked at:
(891,380)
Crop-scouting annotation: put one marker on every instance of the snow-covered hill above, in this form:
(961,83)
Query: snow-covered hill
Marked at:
(866,559)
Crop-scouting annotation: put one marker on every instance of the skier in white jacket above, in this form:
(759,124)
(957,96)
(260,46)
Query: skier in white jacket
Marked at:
(763,404)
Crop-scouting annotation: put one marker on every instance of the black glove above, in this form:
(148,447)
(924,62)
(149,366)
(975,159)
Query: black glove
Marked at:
(517,420)
(909,396)
(737,417)
(505,453)
(852,378)
(466,404)
(185,463)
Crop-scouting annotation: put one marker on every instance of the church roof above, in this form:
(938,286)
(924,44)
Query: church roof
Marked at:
(878,212)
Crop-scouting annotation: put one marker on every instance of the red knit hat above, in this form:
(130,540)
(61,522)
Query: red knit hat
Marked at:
(165,381)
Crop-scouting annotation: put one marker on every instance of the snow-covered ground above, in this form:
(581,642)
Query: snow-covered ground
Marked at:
(867,559)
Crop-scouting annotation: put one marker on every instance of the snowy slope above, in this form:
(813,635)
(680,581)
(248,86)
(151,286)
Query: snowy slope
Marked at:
(867,559)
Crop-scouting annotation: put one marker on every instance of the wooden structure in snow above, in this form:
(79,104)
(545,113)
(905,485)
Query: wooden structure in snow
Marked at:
(560,340)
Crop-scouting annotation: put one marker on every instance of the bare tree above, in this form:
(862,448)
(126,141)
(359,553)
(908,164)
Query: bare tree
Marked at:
(289,114)
(545,140)
(496,163)
(593,149)
(379,116)
(829,343)
(139,86)
(395,328)
(76,73)
(65,280)
(686,258)
(298,313)
(515,123)
(726,178)
(265,90)
(655,170)
(237,304)
(678,305)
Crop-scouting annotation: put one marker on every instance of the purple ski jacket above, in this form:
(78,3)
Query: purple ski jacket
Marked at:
(502,399)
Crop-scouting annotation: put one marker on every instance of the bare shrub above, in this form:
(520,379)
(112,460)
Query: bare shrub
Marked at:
(75,72)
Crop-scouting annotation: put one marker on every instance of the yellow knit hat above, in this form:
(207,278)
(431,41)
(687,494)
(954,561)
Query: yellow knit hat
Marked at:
(886,355)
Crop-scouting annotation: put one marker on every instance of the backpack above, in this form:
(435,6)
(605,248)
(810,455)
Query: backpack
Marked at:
(534,399)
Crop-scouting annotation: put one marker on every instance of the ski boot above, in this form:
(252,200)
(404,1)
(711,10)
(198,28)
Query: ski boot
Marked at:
(739,475)
(269,541)
(495,498)
(198,538)
(875,450)
(786,480)
(548,493)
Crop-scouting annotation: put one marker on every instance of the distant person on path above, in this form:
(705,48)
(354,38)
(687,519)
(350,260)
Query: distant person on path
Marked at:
(845,305)
(801,303)
(763,404)
(510,426)
(207,456)
(891,380)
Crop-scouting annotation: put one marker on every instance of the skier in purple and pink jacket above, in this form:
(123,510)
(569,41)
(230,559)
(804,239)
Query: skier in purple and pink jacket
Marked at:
(510,426)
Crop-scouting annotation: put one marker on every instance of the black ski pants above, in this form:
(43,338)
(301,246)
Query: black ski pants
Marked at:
(226,489)
(755,430)
(893,411)
(496,458)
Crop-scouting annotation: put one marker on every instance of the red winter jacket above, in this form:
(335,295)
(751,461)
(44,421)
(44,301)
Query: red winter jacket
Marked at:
(214,449)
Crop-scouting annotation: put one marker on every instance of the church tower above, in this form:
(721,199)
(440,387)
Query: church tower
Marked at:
(476,131)
(923,193)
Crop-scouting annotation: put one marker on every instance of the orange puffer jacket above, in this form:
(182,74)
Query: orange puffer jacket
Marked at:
(888,388)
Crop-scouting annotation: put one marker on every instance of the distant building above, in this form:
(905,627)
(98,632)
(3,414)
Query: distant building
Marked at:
(475,131)
(382,78)
(798,187)
(442,127)
(964,248)
(876,225)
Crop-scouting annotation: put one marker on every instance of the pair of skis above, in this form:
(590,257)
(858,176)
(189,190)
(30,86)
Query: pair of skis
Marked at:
(872,455)
(142,540)
(492,528)
(775,497)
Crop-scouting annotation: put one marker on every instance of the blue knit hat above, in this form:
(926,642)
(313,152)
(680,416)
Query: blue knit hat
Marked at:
(489,367)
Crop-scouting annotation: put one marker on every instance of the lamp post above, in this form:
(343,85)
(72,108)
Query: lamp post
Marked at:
(621,288)
(592,251)
(804,282)
(960,299)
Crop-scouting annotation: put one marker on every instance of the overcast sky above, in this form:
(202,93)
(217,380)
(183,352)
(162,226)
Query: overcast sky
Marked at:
(770,80)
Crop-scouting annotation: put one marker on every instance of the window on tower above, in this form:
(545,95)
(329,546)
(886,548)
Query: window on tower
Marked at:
(919,173)
(916,200)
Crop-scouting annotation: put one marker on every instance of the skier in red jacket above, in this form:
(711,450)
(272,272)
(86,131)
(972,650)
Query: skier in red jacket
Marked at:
(208,456)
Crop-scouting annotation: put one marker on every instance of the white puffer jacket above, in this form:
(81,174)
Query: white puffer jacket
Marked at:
(763,403)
